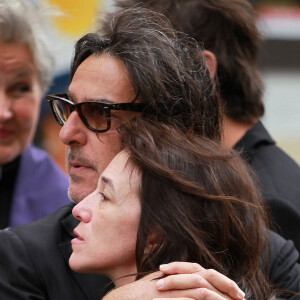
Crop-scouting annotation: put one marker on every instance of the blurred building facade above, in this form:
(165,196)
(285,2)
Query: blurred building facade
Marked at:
(279,61)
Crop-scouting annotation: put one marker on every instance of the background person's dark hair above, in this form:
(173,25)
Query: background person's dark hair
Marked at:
(199,204)
(166,68)
(228,29)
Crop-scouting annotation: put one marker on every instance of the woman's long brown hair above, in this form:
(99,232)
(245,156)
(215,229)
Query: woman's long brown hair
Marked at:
(199,204)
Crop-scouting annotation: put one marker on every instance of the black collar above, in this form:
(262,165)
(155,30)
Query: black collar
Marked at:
(9,171)
(254,138)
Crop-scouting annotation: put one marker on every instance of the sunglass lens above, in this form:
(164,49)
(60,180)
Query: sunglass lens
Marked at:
(94,114)
(62,110)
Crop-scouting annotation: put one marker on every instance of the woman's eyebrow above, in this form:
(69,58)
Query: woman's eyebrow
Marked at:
(26,71)
(108,181)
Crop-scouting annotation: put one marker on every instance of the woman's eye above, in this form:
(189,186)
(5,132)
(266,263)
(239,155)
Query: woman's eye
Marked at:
(24,88)
(104,197)
(19,89)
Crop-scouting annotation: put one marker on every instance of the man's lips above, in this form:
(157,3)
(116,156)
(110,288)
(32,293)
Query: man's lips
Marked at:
(78,167)
(77,164)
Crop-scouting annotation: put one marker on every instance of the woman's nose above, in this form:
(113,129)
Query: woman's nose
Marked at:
(82,212)
(5,107)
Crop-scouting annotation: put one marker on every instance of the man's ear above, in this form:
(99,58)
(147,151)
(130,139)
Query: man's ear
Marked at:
(211,61)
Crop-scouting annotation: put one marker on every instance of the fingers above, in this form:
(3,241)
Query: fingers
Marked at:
(196,294)
(179,267)
(223,283)
(183,282)
(217,281)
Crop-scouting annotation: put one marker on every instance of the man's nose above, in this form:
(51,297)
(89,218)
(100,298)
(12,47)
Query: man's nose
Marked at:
(6,111)
(73,132)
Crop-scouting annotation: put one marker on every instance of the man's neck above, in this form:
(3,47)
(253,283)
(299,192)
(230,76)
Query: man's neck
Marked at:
(233,131)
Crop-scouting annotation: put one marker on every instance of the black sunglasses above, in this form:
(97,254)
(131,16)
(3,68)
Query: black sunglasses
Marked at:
(94,115)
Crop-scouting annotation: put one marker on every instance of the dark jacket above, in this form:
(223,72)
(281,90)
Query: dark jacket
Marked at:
(279,176)
(34,262)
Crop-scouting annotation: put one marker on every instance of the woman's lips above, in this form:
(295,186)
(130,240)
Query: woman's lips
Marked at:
(78,240)
(5,133)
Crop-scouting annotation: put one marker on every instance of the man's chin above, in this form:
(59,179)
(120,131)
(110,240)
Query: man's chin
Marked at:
(80,187)
(73,197)
(76,194)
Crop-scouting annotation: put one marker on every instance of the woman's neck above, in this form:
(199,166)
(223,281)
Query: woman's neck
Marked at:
(124,280)
(122,275)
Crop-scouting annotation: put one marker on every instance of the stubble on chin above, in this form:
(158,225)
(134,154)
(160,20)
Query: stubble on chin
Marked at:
(74,197)
(81,187)
(76,194)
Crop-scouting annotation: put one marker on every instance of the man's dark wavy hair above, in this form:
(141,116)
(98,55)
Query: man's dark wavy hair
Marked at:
(228,29)
(166,68)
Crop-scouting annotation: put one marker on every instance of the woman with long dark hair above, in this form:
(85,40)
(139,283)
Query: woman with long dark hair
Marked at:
(173,196)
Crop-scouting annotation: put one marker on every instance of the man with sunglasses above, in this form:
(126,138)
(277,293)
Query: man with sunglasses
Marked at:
(115,77)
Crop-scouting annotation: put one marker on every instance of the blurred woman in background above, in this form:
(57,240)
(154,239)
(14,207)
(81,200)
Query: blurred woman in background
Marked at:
(31,185)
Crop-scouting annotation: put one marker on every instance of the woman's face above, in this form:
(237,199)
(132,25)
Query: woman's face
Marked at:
(20,98)
(109,219)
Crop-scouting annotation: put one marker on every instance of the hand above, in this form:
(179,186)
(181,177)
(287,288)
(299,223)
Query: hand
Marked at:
(187,281)
(193,276)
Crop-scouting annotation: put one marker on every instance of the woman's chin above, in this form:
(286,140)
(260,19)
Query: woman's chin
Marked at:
(77,265)
(80,265)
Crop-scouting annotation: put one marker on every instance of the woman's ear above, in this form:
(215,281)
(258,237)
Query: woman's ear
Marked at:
(152,240)
(212,63)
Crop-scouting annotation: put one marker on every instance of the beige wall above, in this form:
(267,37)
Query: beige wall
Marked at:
(282,101)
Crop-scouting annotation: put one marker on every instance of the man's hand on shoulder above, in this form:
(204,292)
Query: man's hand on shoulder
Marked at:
(185,281)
